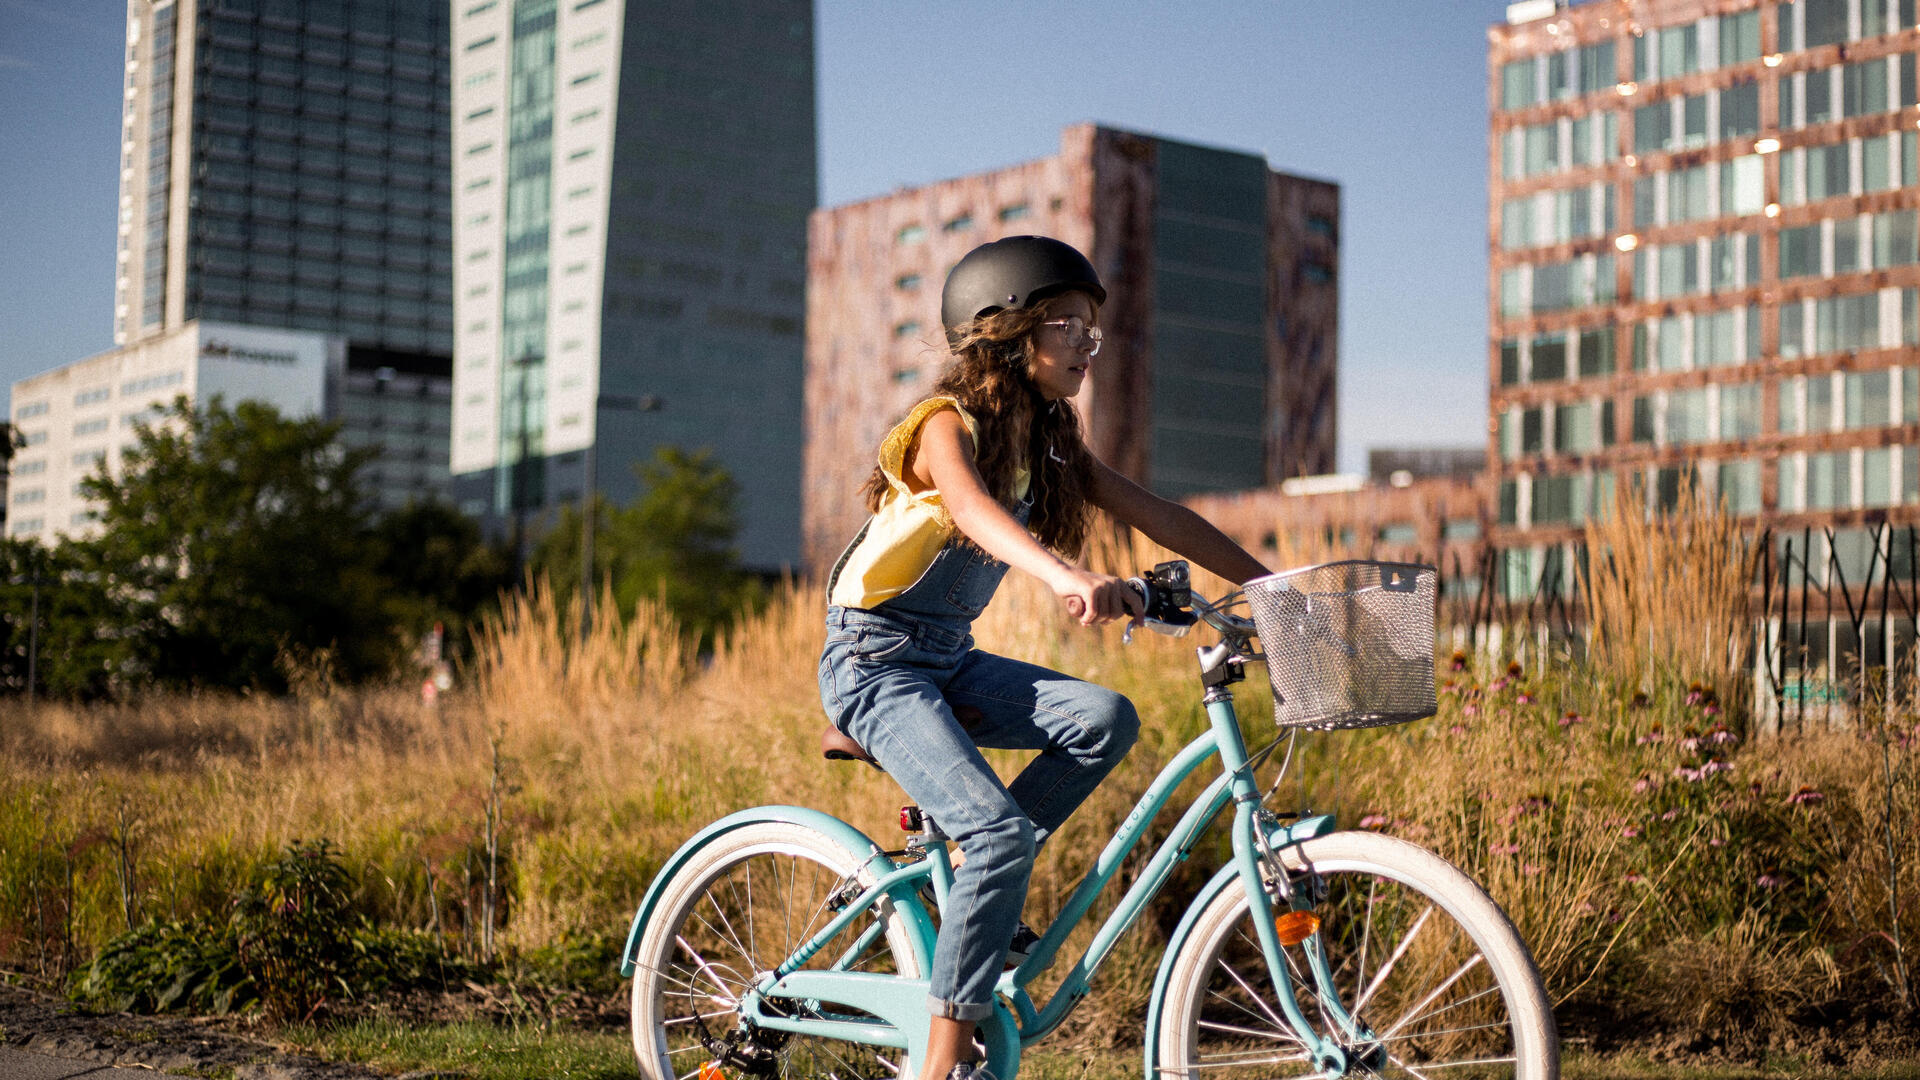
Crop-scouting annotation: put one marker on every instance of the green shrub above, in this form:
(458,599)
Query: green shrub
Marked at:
(162,966)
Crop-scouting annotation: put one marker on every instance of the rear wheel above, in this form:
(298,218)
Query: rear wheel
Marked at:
(737,909)
(1420,956)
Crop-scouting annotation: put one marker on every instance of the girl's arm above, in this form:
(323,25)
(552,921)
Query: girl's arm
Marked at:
(1172,526)
(942,459)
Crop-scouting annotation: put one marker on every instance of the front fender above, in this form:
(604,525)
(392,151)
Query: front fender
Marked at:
(1286,836)
(856,843)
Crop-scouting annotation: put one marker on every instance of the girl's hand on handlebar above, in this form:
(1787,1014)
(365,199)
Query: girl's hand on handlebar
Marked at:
(1097,598)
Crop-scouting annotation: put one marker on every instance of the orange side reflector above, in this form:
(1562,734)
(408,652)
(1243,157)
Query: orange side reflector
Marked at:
(1292,927)
(710,1070)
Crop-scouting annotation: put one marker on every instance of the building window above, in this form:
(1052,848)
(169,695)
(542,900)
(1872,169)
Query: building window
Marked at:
(907,329)
(482,43)
(959,224)
(29,410)
(1014,212)
(907,282)
(910,234)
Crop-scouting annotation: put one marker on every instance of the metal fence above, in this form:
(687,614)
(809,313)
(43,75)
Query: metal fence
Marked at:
(1831,632)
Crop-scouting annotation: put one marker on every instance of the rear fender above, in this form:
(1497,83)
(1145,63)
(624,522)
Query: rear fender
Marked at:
(856,843)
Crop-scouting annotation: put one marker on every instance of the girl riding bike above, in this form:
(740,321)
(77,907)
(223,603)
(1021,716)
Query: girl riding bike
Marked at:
(989,473)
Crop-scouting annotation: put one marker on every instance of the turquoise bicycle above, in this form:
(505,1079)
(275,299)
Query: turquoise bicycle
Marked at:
(782,942)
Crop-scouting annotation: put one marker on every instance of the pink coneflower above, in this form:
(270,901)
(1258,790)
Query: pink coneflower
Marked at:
(1457,729)
(1720,736)
(1633,878)
(1671,814)
(1770,881)
(1469,710)
(1373,821)
(1524,698)
(1712,767)
(1630,831)
(1710,710)
(1684,773)
(1529,869)
(1571,719)
(1642,785)
(1504,849)
(1497,685)
(1653,734)
(1716,842)
(1459,661)
(1806,794)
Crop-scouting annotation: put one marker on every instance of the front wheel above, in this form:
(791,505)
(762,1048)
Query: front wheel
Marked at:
(1425,963)
(737,909)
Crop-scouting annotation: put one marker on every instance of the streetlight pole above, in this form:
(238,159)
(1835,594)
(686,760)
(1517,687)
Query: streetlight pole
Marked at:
(589,511)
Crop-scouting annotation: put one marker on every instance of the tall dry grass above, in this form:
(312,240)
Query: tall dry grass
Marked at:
(1667,593)
(1590,814)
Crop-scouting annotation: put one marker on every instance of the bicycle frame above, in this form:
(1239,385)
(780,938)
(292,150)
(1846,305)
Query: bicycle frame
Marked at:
(900,1004)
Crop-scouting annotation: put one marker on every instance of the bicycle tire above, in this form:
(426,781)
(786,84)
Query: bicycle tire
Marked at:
(696,955)
(1433,1012)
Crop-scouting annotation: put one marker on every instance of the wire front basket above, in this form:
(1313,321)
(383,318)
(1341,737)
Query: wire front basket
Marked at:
(1348,644)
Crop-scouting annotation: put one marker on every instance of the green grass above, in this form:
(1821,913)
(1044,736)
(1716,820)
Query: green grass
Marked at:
(484,1051)
(475,1049)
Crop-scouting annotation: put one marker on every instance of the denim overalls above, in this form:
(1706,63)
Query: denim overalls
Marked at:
(891,677)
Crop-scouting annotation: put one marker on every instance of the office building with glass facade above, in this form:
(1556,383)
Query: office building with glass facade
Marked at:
(632,183)
(1217,372)
(285,165)
(1704,265)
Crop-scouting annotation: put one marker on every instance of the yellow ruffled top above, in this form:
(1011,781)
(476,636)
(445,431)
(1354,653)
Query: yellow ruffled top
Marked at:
(910,527)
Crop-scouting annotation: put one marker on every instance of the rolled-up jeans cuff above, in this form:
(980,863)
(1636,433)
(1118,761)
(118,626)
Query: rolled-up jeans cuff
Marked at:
(953,1010)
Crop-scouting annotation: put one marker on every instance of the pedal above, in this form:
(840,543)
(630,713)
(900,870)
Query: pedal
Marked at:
(911,819)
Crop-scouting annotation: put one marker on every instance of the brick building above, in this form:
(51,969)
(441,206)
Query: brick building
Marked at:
(1219,369)
(1704,262)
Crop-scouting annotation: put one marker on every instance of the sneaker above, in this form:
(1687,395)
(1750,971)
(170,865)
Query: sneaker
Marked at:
(1022,945)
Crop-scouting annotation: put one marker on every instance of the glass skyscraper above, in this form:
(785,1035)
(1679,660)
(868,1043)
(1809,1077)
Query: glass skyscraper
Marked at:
(285,164)
(632,184)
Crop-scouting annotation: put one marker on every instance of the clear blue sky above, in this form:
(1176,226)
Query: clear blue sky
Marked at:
(1385,97)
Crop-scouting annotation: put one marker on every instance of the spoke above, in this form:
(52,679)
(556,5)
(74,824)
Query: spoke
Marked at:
(1235,1005)
(1444,1031)
(1432,994)
(1251,1033)
(1255,997)
(1470,998)
(1510,1060)
(1245,1063)
(681,1021)
(701,962)
(1248,1057)
(1407,1066)
(728,933)
(1386,969)
(1366,931)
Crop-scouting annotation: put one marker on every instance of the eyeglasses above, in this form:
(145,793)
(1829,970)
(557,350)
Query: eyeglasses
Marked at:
(1078,332)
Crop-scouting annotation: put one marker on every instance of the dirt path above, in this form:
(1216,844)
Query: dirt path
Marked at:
(36,1027)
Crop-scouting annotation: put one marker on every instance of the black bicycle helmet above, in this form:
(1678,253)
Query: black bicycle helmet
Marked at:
(1013,273)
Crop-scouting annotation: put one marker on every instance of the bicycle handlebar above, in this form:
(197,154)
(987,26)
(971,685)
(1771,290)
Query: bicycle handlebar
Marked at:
(1172,607)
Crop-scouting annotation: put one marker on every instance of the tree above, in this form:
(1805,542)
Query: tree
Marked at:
(234,536)
(58,626)
(676,542)
(440,567)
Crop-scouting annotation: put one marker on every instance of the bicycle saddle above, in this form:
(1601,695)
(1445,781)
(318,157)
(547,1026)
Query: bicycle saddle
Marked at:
(836,745)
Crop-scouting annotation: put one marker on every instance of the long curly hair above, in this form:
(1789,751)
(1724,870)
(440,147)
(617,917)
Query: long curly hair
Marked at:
(991,376)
